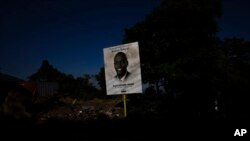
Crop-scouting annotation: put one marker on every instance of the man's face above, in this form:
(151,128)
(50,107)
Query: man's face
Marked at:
(120,63)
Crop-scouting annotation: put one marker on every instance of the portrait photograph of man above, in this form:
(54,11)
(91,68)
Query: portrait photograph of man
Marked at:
(122,69)
(121,64)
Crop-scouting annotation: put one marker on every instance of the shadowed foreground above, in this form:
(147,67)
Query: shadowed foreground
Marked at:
(122,129)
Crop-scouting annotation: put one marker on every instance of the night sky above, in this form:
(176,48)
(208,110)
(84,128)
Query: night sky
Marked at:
(71,34)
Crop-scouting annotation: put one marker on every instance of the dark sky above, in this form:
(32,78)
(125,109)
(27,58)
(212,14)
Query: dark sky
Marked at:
(71,34)
(235,20)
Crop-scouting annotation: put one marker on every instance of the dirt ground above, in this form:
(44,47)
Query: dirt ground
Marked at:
(65,118)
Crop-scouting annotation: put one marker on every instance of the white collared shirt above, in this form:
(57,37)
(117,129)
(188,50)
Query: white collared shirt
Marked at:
(123,78)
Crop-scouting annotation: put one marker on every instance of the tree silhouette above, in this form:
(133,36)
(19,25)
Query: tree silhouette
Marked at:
(100,77)
(233,101)
(46,73)
(68,85)
(178,45)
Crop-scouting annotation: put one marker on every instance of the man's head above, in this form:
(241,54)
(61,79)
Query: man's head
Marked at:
(121,64)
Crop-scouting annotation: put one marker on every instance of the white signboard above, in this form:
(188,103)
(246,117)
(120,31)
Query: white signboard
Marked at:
(122,69)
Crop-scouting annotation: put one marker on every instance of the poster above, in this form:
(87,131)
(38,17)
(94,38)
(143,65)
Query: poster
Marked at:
(122,69)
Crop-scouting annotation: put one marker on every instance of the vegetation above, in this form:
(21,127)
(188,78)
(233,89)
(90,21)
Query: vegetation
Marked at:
(80,87)
(203,76)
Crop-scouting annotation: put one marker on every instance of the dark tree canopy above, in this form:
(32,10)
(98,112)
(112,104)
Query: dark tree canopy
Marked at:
(80,87)
(175,33)
(46,73)
(179,48)
(100,77)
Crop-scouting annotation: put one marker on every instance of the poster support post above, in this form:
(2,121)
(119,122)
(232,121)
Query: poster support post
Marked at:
(123,71)
(124,104)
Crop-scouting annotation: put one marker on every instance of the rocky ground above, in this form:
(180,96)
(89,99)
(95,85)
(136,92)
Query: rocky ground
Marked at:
(69,109)
(64,118)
